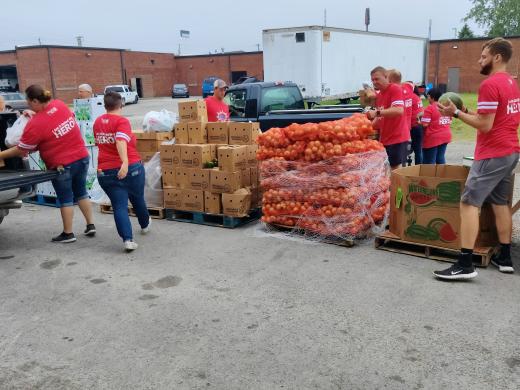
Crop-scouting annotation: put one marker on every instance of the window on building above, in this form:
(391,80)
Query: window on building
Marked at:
(300,37)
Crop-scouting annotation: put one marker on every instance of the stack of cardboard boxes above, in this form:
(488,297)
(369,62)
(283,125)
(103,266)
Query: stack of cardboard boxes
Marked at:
(193,181)
(148,143)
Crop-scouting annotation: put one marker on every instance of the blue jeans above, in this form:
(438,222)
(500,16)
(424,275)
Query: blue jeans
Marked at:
(120,192)
(71,183)
(435,155)
(417,140)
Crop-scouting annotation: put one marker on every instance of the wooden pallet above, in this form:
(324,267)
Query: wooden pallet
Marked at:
(155,212)
(218,220)
(43,200)
(392,243)
(302,233)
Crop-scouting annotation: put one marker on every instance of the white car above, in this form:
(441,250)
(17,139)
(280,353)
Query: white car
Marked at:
(126,93)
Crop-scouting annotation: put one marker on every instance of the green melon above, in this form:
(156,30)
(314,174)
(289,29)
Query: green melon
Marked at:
(455,98)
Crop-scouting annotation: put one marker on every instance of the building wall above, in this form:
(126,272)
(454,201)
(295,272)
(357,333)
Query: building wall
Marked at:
(156,71)
(192,70)
(464,55)
(8,58)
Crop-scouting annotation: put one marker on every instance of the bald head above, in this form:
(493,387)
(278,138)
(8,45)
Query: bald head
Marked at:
(394,76)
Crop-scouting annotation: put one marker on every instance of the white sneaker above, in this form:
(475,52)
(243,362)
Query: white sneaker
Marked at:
(146,230)
(130,245)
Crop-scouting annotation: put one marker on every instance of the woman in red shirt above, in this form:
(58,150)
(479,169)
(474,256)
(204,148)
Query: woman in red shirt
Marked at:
(437,131)
(120,171)
(53,131)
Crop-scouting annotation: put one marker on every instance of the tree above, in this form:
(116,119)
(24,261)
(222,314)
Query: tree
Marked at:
(500,17)
(465,32)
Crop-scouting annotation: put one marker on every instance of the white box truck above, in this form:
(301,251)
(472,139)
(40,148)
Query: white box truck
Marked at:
(333,63)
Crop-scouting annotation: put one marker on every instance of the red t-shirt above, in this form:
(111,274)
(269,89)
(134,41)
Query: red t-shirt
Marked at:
(107,129)
(408,102)
(438,130)
(218,111)
(499,95)
(417,108)
(392,130)
(56,134)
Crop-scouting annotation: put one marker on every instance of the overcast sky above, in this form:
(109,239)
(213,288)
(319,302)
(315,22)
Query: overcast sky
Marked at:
(154,25)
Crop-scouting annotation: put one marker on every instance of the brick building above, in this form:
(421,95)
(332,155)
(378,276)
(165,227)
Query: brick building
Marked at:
(62,68)
(453,63)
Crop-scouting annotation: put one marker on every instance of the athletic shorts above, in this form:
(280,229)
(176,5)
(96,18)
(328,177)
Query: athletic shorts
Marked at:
(397,153)
(490,181)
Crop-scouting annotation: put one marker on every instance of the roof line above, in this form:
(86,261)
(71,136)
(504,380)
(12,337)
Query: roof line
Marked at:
(83,48)
(472,39)
(221,54)
(340,29)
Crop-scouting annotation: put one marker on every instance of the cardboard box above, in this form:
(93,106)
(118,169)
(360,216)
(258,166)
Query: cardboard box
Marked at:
(181,133)
(193,111)
(221,181)
(236,204)
(192,200)
(197,133)
(218,132)
(195,156)
(168,176)
(146,156)
(197,179)
(170,155)
(246,177)
(252,162)
(424,206)
(153,135)
(243,133)
(212,203)
(172,198)
(232,158)
(181,178)
(255,178)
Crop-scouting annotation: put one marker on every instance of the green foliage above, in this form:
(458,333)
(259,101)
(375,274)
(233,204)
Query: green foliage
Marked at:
(500,17)
(465,32)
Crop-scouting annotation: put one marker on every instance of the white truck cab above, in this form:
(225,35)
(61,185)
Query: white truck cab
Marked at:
(126,93)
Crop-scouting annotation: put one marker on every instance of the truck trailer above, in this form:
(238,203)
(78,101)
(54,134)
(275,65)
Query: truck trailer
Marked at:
(333,63)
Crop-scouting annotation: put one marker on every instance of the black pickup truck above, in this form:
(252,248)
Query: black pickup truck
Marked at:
(276,104)
(17,182)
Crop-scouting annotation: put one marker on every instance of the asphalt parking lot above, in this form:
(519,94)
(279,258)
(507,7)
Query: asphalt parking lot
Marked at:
(199,307)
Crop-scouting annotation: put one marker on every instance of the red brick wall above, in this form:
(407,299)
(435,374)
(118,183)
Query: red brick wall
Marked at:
(32,66)
(8,58)
(465,57)
(157,77)
(193,70)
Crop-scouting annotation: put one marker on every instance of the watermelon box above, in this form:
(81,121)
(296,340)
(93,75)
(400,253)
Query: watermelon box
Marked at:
(424,206)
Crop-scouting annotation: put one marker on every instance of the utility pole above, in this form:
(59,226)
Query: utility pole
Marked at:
(430,30)
(367,18)
(257,47)
(325,17)
(40,41)
(79,38)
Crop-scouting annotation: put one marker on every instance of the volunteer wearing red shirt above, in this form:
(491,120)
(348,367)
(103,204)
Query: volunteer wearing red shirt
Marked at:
(53,131)
(496,156)
(389,117)
(120,171)
(218,111)
(437,131)
(417,131)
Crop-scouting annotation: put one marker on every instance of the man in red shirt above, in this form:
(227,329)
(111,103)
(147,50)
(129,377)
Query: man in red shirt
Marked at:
(496,156)
(390,117)
(218,111)
(417,129)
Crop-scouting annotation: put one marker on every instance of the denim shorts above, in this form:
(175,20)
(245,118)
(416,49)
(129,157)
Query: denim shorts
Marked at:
(396,153)
(71,184)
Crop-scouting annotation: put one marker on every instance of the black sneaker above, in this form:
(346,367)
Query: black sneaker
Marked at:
(456,272)
(503,265)
(90,231)
(64,238)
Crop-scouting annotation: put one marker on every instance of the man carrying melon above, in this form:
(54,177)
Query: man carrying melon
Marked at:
(390,118)
(496,155)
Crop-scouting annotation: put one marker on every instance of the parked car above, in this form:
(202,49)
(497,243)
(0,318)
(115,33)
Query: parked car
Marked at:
(16,180)
(278,105)
(15,101)
(180,90)
(207,86)
(126,93)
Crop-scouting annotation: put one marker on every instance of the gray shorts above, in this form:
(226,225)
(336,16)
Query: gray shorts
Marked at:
(490,181)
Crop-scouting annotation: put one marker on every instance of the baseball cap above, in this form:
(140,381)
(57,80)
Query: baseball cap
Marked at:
(219,83)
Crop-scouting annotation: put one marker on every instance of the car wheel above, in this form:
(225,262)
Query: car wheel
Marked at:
(123,102)
(136,99)
(1,218)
